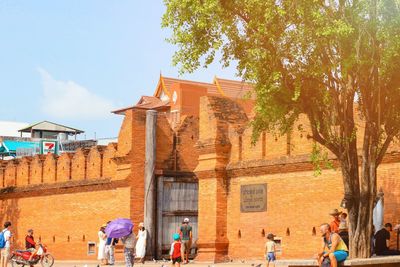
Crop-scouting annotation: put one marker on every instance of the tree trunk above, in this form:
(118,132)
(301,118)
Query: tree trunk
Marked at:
(363,198)
(360,226)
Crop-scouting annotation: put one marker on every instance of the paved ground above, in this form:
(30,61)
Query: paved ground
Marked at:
(152,264)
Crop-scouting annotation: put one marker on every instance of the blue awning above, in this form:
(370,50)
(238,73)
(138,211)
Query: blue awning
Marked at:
(11,146)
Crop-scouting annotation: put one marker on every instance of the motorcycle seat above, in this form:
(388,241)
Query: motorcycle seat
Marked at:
(22,251)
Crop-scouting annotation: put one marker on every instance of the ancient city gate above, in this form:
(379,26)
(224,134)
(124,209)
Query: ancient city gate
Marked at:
(177,198)
(170,196)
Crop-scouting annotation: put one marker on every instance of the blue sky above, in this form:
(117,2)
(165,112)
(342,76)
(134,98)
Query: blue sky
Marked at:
(73,61)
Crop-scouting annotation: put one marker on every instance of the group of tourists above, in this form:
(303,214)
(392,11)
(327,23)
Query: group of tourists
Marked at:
(135,245)
(181,245)
(335,242)
(5,243)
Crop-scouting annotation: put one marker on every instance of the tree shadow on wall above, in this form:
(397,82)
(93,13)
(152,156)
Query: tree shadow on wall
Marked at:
(9,212)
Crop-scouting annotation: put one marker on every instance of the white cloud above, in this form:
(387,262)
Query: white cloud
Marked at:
(69,100)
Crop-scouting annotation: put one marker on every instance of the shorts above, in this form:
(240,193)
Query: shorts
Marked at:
(185,245)
(179,260)
(5,252)
(340,255)
(271,256)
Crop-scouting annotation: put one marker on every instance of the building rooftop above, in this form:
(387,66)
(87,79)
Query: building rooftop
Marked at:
(51,127)
(163,93)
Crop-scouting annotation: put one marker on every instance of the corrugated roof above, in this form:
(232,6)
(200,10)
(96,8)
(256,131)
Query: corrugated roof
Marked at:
(50,126)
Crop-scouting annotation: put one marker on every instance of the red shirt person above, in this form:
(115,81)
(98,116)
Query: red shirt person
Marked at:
(30,241)
(336,220)
(30,244)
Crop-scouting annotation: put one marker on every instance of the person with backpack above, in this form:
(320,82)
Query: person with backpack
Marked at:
(5,240)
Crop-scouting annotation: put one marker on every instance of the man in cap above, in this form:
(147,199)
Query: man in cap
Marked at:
(336,220)
(186,237)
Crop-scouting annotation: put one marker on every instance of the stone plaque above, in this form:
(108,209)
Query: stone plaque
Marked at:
(253,198)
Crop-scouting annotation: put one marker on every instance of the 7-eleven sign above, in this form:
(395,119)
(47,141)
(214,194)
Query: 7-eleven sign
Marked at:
(47,147)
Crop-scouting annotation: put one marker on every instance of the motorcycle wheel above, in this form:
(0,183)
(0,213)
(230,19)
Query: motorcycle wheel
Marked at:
(48,260)
(13,260)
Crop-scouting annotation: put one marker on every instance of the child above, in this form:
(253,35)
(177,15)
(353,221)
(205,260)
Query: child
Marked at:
(343,218)
(270,249)
(175,252)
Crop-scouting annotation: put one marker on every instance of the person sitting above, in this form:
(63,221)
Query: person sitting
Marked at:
(333,247)
(30,244)
(382,242)
(334,225)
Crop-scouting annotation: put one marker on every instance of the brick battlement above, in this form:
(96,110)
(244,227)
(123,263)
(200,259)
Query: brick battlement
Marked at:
(85,164)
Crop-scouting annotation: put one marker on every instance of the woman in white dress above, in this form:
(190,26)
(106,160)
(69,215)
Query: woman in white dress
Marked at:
(102,245)
(141,243)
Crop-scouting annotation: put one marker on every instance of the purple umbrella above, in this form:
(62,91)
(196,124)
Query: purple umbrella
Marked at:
(119,228)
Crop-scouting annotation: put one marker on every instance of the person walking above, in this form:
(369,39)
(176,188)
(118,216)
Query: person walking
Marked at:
(176,250)
(141,243)
(110,250)
(129,248)
(102,245)
(186,237)
(5,242)
(270,249)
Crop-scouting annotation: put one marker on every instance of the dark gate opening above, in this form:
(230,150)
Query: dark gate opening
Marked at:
(177,198)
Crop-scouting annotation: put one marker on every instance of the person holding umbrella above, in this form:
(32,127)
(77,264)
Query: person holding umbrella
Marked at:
(123,229)
(129,248)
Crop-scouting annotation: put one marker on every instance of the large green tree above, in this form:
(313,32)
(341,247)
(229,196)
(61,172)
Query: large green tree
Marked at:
(332,60)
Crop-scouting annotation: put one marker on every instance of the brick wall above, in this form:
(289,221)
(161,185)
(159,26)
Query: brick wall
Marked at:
(57,217)
(297,201)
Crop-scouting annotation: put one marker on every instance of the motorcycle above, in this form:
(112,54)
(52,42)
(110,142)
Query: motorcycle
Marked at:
(21,257)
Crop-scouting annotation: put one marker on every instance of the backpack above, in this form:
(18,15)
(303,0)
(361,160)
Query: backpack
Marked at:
(326,262)
(2,240)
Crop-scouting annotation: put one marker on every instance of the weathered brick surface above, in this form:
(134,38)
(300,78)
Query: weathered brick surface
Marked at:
(50,169)
(95,162)
(23,172)
(109,165)
(10,174)
(79,164)
(37,169)
(137,159)
(64,167)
